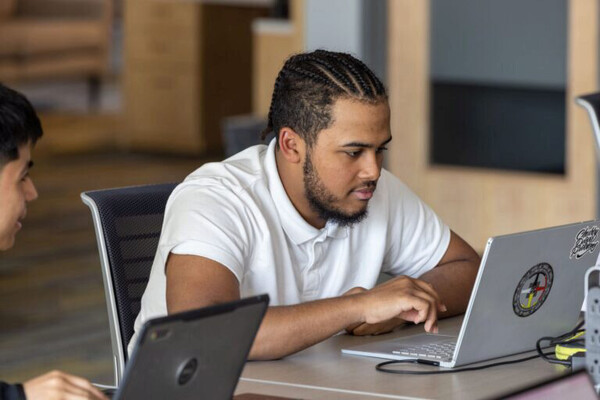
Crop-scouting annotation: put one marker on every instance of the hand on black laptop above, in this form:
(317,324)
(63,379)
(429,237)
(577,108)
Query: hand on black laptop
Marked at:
(58,385)
(396,301)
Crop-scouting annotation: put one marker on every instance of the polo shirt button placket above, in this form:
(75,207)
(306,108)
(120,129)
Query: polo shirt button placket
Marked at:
(312,273)
(310,260)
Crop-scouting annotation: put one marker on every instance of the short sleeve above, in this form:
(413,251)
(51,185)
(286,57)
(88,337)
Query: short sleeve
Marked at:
(207,220)
(417,237)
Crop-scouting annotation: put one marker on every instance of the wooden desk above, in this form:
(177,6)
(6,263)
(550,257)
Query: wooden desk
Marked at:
(322,372)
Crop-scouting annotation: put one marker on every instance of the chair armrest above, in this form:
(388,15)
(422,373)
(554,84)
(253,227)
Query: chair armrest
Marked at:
(80,9)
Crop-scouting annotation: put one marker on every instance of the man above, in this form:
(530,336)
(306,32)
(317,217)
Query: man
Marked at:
(19,130)
(312,219)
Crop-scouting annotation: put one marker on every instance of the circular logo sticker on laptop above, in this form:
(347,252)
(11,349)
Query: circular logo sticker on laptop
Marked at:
(533,290)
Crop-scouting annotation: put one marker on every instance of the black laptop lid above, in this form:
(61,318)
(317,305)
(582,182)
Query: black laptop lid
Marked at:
(196,354)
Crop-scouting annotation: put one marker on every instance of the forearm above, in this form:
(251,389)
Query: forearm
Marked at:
(454,282)
(289,329)
(194,282)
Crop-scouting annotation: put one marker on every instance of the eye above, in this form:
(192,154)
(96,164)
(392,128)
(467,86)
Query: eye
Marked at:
(353,154)
(381,150)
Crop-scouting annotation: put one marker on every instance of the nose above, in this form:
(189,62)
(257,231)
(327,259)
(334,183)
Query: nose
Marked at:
(371,167)
(30,191)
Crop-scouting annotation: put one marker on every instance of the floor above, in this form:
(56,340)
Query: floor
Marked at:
(52,307)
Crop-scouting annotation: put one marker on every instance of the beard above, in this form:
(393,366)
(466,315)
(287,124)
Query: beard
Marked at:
(323,202)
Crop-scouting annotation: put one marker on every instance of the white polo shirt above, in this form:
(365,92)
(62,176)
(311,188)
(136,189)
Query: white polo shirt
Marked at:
(237,213)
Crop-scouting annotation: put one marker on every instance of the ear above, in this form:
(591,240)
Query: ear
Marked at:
(291,145)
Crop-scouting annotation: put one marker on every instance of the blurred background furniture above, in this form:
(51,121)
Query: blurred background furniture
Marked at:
(187,66)
(43,39)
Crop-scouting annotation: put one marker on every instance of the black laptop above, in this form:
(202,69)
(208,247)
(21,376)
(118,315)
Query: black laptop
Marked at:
(196,354)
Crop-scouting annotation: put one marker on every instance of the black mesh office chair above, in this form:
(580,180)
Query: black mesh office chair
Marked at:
(128,222)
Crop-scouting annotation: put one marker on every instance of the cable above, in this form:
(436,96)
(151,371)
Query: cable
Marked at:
(381,366)
(553,341)
(567,337)
(571,347)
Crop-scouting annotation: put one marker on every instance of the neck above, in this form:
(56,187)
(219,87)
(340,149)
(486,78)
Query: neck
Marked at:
(292,178)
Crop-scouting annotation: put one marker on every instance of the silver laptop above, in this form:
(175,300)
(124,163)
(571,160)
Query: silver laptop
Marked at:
(197,354)
(529,285)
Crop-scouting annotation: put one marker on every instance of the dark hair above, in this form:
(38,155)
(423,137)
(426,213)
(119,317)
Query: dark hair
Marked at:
(309,84)
(19,124)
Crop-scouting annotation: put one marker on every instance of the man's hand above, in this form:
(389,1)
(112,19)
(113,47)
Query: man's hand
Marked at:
(364,329)
(57,385)
(395,301)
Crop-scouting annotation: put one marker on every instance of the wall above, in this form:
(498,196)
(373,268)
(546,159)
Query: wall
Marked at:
(514,42)
(354,26)
(479,203)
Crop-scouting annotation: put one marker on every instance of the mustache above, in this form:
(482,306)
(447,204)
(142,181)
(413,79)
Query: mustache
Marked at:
(367,185)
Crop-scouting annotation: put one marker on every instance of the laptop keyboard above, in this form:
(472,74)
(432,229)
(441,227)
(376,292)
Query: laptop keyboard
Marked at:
(433,351)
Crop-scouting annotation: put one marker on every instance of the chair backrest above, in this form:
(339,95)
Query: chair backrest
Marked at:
(128,222)
(591,103)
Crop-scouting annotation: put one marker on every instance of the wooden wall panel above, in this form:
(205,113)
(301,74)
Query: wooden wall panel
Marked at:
(478,203)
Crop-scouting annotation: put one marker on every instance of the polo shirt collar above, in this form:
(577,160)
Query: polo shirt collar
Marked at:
(292,222)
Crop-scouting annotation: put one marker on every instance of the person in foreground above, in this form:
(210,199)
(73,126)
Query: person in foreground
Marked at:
(312,219)
(20,128)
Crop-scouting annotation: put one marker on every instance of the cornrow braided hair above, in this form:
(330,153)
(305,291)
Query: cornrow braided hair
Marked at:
(309,84)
